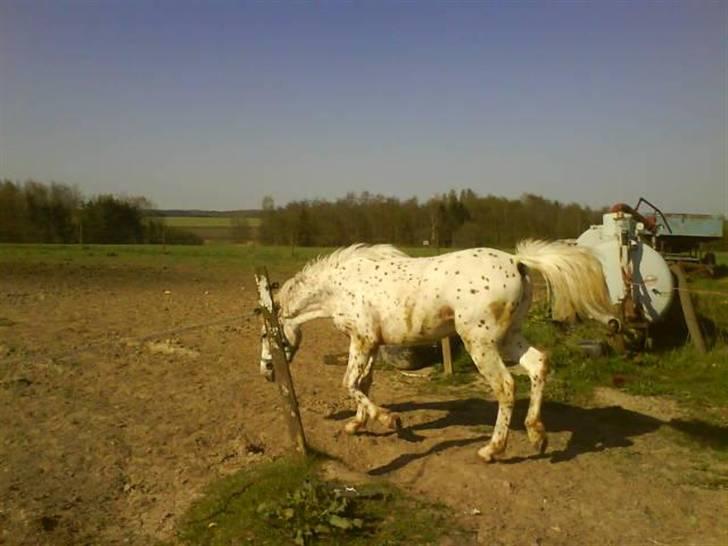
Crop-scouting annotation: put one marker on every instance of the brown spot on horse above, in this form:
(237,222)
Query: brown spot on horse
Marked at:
(501,312)
(446,313)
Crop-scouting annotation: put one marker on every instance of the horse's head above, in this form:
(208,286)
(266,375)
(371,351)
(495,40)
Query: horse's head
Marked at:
(291,338)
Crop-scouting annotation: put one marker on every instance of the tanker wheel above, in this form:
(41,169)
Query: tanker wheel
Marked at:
(709,261)
(629,340)
(617,343)
(637,339)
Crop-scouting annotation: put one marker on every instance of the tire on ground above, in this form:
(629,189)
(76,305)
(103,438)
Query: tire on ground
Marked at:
(410,357)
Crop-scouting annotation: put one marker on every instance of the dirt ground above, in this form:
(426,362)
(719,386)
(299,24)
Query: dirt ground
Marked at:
(107,433)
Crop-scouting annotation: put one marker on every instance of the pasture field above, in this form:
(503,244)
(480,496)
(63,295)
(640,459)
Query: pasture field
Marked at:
(210,228)
(205,221)
(119,424)
(196,221)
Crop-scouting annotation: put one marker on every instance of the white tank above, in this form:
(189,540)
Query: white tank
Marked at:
(627,260)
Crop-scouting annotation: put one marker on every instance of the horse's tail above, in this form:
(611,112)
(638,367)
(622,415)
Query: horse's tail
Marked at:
(575,278)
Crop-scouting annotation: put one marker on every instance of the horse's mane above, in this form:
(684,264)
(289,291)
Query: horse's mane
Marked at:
(338,257)
(358,250)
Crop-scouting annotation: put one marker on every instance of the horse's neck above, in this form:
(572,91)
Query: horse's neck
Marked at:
(312,298)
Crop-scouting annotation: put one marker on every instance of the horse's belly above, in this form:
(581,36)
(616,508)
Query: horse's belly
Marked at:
(413,331)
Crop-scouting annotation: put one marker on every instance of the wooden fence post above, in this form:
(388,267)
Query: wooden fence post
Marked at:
(446,356)
(280,362)
(691,319)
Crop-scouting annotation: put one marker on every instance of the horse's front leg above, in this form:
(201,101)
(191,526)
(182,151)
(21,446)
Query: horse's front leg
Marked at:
(357,381)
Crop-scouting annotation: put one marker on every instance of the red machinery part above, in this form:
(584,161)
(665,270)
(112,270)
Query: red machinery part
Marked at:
(649,222)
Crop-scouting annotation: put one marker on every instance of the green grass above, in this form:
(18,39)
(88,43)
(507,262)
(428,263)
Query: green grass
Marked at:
(698,381)
(196,221)
(222,255)
(286,502)
(284,258)
(210,228)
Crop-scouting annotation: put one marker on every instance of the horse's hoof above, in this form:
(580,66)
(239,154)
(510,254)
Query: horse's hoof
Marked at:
(390,420)
(541,444)
(395,422)
(537,436)
(486,454)
(352,427)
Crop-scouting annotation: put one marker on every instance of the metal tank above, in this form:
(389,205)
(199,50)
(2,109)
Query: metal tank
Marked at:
(638,277)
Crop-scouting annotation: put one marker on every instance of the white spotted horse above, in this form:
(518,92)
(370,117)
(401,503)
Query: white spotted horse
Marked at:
(379,295)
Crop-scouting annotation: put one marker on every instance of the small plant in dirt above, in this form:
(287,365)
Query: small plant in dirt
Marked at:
(314,509)
(287,502)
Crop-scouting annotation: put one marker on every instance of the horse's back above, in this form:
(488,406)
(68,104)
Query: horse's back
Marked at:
(411,299)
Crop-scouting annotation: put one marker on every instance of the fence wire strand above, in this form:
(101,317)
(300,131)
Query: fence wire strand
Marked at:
(95,345)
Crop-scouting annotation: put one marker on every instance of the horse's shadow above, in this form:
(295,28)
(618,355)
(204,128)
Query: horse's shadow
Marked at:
(592,429)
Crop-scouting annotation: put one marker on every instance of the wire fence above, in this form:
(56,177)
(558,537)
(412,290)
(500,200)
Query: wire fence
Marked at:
(104,342)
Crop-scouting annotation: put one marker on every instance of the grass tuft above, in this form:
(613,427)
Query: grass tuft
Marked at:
(286,502)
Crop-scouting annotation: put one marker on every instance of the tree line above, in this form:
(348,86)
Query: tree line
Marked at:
(35,212)
(463,219)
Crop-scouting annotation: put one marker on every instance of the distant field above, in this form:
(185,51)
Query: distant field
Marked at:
(196,221)
(204,221)
(210,228)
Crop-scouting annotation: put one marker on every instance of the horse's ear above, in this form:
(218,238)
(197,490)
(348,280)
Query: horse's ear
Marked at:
(275,285)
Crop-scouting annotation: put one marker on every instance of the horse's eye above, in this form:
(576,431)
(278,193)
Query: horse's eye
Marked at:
(263,336)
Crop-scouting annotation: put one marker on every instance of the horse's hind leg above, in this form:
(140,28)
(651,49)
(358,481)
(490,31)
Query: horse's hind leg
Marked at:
(487,359)
(358,381)
(515,348)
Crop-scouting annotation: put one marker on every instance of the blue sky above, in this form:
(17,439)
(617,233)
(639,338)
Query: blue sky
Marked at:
(216,104)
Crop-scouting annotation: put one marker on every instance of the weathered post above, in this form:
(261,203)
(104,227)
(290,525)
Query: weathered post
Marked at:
(446,356)
(691,319)
(280,362)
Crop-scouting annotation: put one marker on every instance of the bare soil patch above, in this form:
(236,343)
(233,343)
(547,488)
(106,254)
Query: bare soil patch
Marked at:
(108,434)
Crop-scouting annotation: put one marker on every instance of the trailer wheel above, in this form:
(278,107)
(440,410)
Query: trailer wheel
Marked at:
(709,259)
